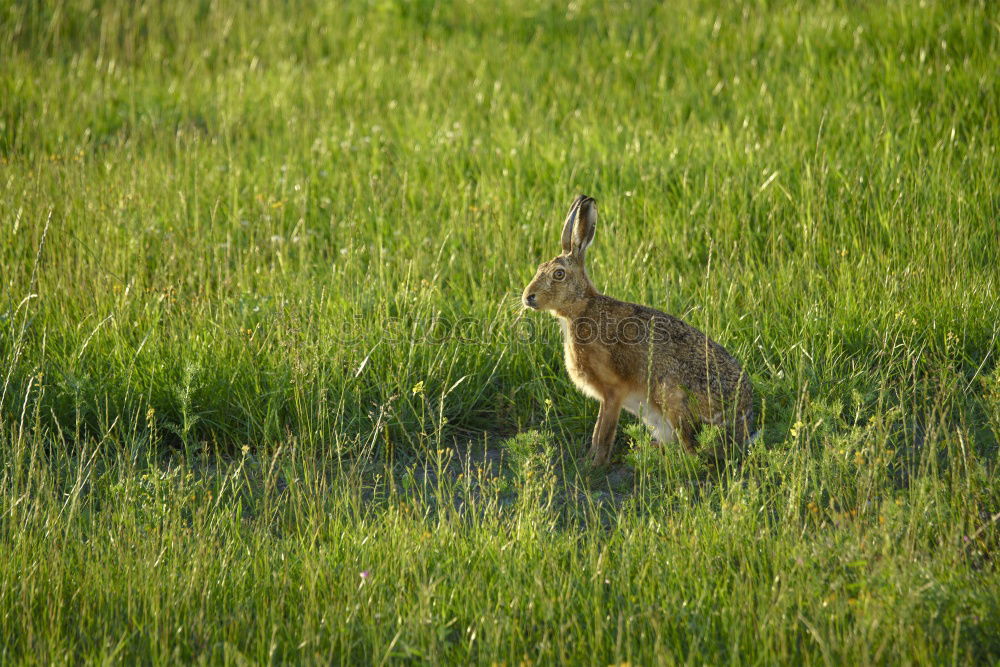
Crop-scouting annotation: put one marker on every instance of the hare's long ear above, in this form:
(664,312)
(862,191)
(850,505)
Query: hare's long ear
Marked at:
(580,225)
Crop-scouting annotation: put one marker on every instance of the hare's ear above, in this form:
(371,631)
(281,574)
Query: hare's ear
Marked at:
(580,225)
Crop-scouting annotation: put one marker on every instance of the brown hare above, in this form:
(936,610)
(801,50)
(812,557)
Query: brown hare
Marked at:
(659,368)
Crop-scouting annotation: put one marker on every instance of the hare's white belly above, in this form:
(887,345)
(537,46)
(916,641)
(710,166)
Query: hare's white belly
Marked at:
(662,429)
(580,377)
(582,381)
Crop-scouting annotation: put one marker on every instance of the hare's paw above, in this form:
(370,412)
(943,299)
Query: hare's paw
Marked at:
(597,457)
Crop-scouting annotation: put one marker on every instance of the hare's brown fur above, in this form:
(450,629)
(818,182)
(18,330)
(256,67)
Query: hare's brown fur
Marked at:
(629,356)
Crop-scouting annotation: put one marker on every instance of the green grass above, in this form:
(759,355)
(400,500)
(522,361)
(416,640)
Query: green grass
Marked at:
(260,330)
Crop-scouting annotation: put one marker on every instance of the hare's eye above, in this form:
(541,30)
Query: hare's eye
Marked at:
(559,274)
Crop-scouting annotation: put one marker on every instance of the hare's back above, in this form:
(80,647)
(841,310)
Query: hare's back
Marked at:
(686,355)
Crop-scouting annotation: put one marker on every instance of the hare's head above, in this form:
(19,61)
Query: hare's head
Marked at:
(561,284)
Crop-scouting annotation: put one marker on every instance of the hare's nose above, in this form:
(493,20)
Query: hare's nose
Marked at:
(530,301)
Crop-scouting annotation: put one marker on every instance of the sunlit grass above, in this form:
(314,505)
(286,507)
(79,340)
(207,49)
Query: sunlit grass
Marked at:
(260,333)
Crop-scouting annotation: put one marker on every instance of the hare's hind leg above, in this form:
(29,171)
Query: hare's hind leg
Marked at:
(737,438)
(678,413)
(604,431)
(685,427)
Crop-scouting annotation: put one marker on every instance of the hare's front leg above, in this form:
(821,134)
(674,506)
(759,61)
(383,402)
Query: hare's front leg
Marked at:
(604,431)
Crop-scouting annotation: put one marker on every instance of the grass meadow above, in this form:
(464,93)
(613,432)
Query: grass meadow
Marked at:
(267,393)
